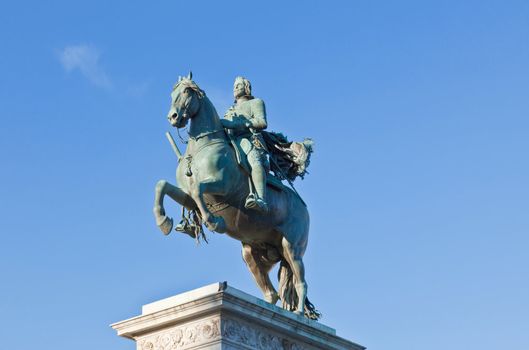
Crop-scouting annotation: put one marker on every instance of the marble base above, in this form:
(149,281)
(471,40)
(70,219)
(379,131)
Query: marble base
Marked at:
(218,316)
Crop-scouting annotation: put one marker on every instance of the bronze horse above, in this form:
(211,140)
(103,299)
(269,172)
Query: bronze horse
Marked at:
(211,182)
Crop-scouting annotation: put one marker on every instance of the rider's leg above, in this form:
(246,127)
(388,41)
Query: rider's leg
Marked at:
(256,158)
(259,180)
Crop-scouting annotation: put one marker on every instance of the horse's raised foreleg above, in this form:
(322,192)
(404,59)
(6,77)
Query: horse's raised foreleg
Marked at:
(163,188)
(260,269)
(293,256)
(214,223)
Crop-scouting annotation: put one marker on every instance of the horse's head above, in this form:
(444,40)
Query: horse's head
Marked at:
(185,101)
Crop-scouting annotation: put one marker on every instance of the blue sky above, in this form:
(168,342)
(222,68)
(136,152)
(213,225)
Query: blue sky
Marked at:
(418,190)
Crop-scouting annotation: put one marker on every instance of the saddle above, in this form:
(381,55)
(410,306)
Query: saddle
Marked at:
(242,160)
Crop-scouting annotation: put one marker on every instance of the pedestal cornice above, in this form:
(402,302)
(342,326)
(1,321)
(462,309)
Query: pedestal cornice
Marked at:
(218,316)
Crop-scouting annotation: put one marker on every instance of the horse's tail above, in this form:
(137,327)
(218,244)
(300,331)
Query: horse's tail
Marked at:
(288,295)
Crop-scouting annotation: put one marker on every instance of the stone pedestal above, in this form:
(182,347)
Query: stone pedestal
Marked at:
(221,317)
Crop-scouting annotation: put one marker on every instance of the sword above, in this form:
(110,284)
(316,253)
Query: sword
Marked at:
(173,145)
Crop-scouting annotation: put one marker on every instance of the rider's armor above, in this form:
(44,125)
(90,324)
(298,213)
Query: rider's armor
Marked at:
(248,115)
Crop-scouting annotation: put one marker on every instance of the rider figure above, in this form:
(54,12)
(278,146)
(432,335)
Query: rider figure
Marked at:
(245,119)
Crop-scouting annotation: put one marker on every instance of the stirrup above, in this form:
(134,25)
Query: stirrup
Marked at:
(186,228)
(256,203)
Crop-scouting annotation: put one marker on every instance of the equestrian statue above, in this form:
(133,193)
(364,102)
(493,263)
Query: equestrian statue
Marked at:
(230,179)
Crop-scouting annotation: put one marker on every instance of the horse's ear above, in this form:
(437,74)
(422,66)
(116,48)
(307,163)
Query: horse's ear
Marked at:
(190,75)
(179,78)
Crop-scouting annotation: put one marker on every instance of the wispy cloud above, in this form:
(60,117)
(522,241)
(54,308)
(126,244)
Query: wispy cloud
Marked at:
(138,89)
(85,58)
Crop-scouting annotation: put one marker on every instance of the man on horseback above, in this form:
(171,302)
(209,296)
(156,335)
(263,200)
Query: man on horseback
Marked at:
(244,121)
(210,181)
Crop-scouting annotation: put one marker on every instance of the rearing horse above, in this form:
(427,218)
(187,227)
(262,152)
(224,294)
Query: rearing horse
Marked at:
(211,182)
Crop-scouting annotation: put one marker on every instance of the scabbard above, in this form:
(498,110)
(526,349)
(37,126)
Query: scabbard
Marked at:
(173,145)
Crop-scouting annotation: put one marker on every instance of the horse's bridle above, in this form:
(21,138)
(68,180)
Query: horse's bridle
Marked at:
(182,114)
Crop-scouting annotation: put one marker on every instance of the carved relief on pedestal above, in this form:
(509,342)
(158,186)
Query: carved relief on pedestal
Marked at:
(183,337)
(257,337)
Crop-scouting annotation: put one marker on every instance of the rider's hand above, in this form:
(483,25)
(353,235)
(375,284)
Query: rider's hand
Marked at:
(237,122)
(228,124)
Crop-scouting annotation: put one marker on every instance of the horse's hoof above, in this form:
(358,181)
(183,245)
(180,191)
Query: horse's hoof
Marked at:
(217,224)
(166,225)
(271,298)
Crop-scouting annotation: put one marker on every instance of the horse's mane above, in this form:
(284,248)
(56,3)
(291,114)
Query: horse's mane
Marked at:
(188,83)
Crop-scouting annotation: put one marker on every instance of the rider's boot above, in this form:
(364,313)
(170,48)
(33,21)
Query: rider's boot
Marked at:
(257,201)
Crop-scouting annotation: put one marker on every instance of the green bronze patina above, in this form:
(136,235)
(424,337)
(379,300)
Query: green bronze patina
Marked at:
(244,121)
(219,191)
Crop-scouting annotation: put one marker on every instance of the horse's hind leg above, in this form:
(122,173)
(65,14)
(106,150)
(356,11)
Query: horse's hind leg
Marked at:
(163,188)
(260,269)
(293,255)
